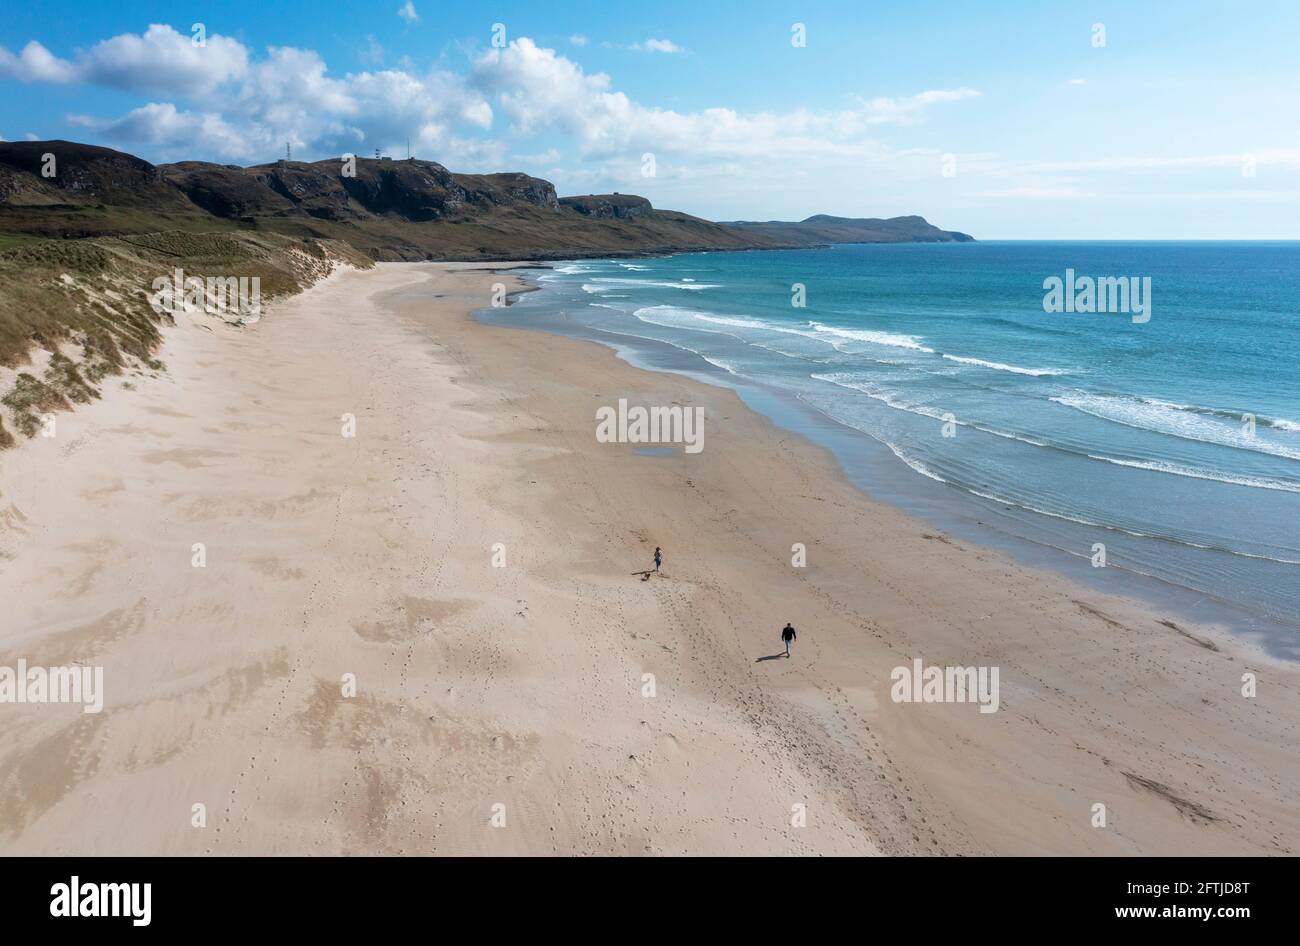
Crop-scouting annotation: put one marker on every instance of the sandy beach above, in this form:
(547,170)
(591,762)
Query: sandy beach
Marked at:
(469,559)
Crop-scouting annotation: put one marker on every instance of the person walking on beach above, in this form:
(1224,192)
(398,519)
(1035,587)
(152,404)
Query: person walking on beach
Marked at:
(659,557)
(787,635)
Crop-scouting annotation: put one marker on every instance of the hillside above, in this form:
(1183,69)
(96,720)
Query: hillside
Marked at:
(822,229)
(390,210)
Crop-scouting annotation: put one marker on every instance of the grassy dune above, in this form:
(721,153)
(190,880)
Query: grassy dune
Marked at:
(74,312)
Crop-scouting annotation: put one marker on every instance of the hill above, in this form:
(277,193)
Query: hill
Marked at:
(822,229)
(390,210)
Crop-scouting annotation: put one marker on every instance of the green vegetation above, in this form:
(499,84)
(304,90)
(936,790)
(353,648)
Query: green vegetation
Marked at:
(30,397)
(86,303)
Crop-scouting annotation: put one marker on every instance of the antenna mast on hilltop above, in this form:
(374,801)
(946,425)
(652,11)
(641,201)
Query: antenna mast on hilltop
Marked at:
(288,152)
(408,147)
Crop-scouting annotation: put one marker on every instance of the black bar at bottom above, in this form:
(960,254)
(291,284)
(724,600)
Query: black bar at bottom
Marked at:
(330,895)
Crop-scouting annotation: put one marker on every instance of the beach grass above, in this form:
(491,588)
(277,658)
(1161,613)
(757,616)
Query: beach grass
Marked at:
(85,303)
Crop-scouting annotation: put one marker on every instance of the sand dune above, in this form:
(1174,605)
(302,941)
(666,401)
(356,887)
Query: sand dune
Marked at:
(517,694)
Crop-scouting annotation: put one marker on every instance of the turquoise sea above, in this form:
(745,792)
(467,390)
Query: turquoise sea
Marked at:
(936,376)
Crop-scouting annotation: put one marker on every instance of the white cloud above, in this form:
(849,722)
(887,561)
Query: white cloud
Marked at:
(35,64)
(658,46)
(577,39)
(241,107)
(1077,82)
(541,90)
(792,162)
(909,109)
(407,12)
(163,126)
(164,61)
(159,61)
(290,80)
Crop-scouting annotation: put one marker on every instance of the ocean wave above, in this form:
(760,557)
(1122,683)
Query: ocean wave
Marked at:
(1235,416)
(998,366)
(594,289)
(889,339)
(1175,469)
(622,332)
(656,283)
(718,363)
(692,319)
(671,316)
(836,337)
(727,320)
(924,470)
(1080,520)
(914,463)
(1154,466)
(888,398)
(1174,420)
(800,356)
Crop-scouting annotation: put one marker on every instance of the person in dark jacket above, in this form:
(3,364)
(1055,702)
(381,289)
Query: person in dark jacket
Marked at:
(787,635)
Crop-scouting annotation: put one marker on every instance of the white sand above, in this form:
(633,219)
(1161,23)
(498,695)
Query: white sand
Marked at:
(522,686)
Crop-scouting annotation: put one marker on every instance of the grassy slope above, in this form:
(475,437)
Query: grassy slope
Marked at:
(86,302)
(521,232)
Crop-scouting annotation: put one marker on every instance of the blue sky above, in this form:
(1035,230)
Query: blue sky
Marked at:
(1003,119)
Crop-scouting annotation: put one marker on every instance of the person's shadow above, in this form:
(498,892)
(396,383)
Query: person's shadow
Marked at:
(770,657)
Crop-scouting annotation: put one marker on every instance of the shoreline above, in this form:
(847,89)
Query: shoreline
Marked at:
(522,685)
(864,461)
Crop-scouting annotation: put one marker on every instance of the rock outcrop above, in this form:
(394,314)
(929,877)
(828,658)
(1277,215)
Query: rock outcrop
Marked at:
(609,206)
